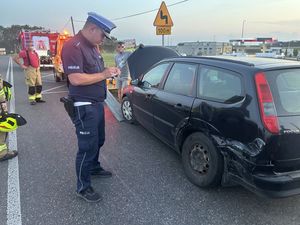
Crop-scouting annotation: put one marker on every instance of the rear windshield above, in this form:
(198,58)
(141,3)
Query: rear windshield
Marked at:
(285,87)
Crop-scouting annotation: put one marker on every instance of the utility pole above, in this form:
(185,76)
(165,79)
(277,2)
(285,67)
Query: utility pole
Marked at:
(73,25)
(243,28)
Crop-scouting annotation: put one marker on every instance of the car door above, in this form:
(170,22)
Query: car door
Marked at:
(172,104)
(144,92)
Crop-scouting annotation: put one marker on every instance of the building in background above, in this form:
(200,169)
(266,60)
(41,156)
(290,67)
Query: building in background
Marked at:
(204,48)
(252,46)
(289,48)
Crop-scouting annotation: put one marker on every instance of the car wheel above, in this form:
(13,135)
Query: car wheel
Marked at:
(127,111)
(202,162)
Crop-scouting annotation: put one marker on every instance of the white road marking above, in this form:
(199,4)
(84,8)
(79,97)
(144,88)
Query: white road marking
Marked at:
(55,92)
(8,71)
(14,216)
(51,89)
(48,75)
(48,81)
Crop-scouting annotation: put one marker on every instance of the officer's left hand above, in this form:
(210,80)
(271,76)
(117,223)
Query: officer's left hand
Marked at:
(114,71)
(110,72)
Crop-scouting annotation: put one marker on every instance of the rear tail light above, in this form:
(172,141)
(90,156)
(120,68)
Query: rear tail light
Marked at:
(266,104)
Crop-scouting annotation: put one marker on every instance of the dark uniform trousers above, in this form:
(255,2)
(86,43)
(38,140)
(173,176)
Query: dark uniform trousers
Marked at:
(90,130)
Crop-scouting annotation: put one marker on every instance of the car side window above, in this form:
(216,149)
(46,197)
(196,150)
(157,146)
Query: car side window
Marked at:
(219,85)
(181,79)
(153,77)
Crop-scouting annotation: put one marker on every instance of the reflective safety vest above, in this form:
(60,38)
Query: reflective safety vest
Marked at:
(6,88)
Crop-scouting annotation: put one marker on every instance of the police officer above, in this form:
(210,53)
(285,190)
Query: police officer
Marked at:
(85,69)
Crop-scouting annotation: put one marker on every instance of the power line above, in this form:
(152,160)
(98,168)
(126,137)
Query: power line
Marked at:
(145,12)
(138,14)
(79,21)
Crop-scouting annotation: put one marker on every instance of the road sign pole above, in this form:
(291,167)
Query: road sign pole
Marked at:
(163,22)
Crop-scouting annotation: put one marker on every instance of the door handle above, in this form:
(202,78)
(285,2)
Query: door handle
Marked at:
(148,96)
(178,106)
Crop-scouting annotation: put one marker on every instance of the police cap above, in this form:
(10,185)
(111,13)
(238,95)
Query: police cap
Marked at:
(105,24)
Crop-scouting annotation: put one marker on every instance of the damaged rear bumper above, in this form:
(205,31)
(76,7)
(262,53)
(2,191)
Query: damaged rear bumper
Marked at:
(272,185)
(242,167)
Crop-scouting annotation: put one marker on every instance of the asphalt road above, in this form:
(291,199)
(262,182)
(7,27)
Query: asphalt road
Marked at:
(148,186)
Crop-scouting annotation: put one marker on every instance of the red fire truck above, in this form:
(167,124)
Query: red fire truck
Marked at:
(44,44)
(57,62)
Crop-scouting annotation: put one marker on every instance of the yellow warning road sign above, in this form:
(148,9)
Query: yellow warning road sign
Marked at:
(163,30)
(163,18)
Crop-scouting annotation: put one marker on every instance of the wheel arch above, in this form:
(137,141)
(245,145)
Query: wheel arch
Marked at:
(192,127)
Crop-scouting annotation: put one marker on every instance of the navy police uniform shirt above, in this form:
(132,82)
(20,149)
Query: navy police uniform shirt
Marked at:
(80,56)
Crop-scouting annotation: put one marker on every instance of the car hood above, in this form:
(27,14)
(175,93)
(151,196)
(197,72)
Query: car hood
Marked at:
(141,60)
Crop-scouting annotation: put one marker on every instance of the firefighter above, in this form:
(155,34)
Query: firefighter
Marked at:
(5,125)
(31,66)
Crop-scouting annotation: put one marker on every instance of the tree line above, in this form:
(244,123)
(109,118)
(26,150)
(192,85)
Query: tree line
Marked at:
(9,36)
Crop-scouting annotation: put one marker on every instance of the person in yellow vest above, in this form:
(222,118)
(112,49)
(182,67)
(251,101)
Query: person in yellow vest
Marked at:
(5,154)
(33,78)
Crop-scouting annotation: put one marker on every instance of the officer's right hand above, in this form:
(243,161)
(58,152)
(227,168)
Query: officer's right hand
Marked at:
(24,67)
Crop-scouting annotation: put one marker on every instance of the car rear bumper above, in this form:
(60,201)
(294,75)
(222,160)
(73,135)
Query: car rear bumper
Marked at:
(277,185)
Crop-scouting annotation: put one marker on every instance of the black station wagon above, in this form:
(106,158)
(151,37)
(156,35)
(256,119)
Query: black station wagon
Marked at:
(232,119)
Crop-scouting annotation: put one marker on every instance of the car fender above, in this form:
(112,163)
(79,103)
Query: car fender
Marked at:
(191,125)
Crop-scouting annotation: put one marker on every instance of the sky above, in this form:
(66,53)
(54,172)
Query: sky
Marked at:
(194,20)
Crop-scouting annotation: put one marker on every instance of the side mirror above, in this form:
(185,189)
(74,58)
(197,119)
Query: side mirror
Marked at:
(135,82)
(145,84)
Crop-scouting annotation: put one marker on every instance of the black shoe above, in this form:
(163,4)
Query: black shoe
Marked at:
(89,195)
(40,101)
(33,103)
(101,173)
(9,155)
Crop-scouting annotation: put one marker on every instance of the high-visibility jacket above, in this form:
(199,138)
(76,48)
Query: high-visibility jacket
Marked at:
(3,105)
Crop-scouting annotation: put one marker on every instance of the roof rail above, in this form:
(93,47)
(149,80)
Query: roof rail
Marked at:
(223,59)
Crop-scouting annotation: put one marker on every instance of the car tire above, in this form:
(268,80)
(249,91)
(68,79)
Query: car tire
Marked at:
(127,111)
(202,162)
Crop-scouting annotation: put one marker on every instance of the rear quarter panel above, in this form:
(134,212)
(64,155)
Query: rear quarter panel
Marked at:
(239,121)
